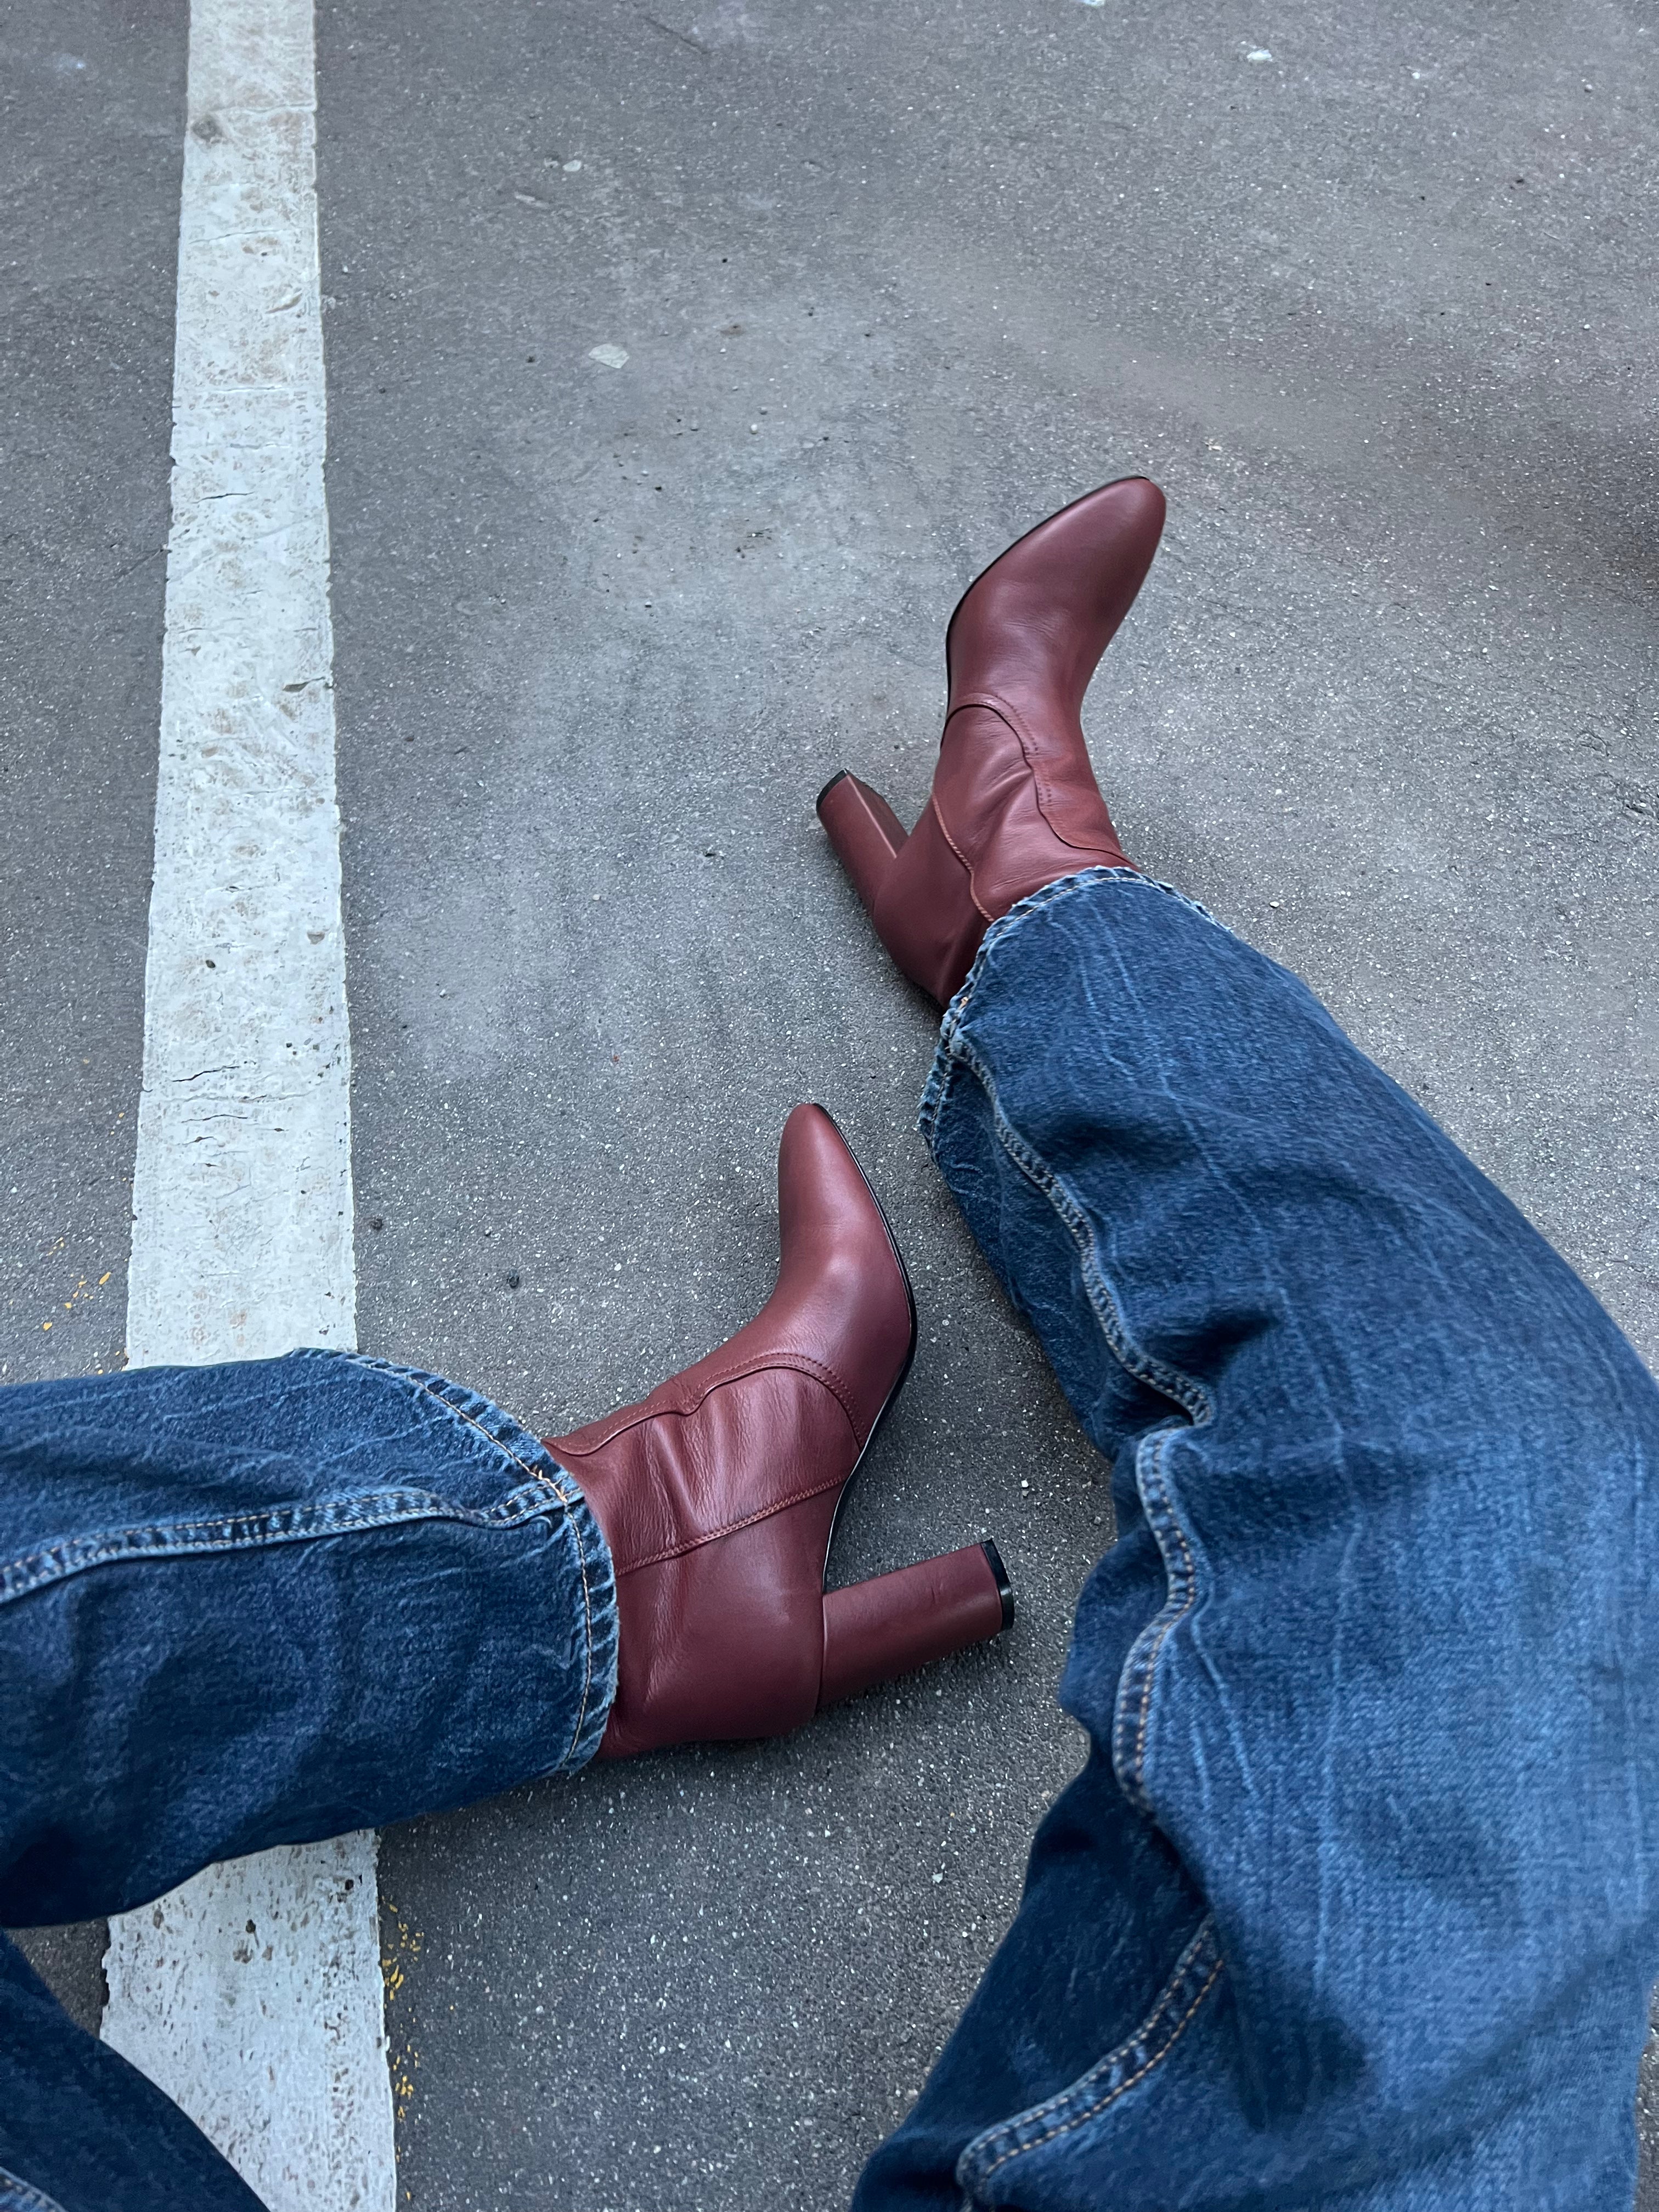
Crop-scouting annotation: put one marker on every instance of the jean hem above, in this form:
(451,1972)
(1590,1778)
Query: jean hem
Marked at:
(593,1562)
(535,1487)
(1006,927)
(19,2196)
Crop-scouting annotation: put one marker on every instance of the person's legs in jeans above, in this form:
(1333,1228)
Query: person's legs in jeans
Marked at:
(1354,1903)
(264,1603)
(244,1606)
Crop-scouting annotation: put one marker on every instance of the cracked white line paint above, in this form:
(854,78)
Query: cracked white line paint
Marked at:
(242,1248)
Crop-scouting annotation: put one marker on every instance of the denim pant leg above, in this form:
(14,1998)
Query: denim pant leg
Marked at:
(1353,1906)
(81,2131)
(249,1605)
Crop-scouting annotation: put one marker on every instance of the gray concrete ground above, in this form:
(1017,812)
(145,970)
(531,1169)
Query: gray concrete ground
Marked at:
(1371,296)
(91,122)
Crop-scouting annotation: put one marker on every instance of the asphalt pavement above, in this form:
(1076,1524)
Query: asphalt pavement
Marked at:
(685,363)
(91,128)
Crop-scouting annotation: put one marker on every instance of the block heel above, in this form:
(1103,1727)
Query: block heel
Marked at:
(866,833)
(895,1623)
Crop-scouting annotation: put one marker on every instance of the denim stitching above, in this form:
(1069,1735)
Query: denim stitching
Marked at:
(1139,2049)
(955,1052)
(1063,887)
(1141,1665)
(235,1532)
(427,1385)
(1189,1395)
(1140,1668)
(19,2196)
(295,1524)
(941,1081)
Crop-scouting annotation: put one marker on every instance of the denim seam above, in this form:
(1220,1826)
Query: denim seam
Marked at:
(426,1385)
(1143,2052)
(1140,1672)
(544,1490)
(274,1524)
(17,2195)
(1140,1668)
(1180,1389)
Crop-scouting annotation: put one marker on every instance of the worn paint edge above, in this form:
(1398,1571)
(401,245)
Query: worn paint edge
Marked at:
(274,2041)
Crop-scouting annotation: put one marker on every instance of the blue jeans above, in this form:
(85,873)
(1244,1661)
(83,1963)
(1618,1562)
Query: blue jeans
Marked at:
(217,1586)
(1352,1907)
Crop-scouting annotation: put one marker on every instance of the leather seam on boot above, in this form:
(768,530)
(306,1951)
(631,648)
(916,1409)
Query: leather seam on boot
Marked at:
(1031,752)
(766,1363)
(967,863)
(1007,714)
(994,703)
(732,1528)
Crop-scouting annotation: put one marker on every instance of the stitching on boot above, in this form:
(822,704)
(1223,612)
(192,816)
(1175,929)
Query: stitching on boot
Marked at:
(1032,751)
(967,865)
(764,1362)
(732,1528)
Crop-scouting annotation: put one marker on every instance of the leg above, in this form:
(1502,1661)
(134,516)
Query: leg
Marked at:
(270,1602)
(1353,1904)
(264,1603)
(243,1606)
(82,2131)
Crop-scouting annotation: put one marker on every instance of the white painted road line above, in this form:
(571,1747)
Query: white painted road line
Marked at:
(242,1234)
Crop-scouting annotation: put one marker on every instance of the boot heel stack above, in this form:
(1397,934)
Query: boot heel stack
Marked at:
(896,1623)
(865,831)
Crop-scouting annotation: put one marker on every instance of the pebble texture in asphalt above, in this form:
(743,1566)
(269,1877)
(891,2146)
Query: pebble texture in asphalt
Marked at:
(683,366)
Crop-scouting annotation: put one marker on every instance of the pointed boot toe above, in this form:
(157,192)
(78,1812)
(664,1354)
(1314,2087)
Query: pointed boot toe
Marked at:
(718,1493)
(1014,803)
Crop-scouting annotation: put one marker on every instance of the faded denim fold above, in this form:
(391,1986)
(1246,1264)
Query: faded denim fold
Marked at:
(1354,1904)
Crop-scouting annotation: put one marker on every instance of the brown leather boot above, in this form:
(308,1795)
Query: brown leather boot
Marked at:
(718,1494)
(1015,804)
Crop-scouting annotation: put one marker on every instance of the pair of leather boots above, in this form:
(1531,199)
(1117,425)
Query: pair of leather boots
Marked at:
(718,1494)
